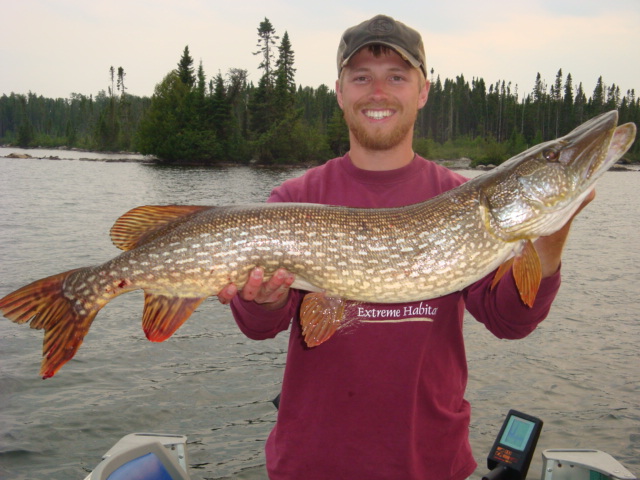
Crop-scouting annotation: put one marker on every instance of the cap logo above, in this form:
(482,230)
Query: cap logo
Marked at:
(380,26)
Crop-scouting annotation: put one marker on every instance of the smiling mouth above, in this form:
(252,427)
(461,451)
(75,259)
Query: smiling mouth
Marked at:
(378,114)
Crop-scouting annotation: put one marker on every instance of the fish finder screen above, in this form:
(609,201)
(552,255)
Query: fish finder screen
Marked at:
(517,433)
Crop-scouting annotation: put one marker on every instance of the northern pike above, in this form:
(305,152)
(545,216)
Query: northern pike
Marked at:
(180,255)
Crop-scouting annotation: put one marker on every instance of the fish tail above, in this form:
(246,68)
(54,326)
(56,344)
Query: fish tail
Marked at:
(44,305)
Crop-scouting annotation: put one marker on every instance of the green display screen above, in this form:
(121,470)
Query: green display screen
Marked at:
(517,433)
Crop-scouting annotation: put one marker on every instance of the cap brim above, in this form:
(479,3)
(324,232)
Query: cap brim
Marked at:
(401,51)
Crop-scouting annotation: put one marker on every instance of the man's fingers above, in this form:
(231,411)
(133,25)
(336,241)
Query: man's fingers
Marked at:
(256,289)
(254,283)
(277,285)
(227,293)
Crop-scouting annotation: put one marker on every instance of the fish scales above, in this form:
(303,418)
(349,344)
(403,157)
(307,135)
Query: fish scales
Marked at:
(179,255)
(386,255)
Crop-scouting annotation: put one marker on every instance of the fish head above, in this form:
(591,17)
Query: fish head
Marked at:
(536,192)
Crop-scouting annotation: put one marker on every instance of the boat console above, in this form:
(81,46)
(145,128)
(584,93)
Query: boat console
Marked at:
(511,454)
(150,456)
(144,456)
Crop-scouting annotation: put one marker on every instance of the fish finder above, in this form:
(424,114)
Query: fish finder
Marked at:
(511,454)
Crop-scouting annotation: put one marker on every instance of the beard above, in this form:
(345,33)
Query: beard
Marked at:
(372,138)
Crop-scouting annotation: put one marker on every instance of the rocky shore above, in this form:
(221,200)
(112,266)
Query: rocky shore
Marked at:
(455,164)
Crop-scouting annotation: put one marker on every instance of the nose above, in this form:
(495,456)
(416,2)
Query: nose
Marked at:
(378,89)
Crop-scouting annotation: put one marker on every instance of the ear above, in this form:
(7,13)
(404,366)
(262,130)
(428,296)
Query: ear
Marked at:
(424,94)
(339,94)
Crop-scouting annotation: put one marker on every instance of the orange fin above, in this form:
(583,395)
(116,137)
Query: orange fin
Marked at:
(320,317)
(164,315)
(44,304)
(142,224)
(527,272)
(502,269)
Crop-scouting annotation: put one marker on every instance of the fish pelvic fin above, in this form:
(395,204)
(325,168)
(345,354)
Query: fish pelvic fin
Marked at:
(527,273)
(164,315)
(43,304)
(320,317)
(142,224)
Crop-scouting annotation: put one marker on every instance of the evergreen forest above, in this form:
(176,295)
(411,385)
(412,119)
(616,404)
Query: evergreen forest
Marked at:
(195,119)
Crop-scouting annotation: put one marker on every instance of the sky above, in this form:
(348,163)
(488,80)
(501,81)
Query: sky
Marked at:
(58,47)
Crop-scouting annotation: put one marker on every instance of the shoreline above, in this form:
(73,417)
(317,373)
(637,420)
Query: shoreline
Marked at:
(132,157)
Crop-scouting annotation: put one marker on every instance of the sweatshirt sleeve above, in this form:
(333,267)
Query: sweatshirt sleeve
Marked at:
(502,311)
(258,323)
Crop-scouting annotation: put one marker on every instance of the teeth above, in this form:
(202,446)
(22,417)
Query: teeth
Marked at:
(378,114)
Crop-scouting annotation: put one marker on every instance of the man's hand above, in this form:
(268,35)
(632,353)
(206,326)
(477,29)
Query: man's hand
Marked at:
(271,294)
(550,248)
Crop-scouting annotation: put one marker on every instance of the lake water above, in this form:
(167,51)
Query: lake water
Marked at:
(579,371)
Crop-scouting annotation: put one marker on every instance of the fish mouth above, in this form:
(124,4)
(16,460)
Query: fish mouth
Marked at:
(552,179)
(592,148)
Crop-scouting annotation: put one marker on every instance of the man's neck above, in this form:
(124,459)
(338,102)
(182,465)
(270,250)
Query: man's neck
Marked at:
(380,160)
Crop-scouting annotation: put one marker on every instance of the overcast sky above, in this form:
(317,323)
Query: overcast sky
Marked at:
(58,47)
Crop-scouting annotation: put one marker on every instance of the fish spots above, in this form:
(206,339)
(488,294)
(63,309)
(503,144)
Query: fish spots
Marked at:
(183,261)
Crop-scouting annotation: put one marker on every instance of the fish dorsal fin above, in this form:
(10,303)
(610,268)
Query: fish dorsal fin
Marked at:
(320,317)
(164,315)
(527,273)
(141,224)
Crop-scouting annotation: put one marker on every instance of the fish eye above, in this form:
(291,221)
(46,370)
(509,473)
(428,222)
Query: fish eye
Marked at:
(551,155)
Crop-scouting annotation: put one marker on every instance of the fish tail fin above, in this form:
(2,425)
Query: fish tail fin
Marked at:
(44,304)
(164,315)
(320,317)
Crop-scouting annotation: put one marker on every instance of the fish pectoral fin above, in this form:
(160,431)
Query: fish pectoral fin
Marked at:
(527,272)
(164,315)
(320,317)
(139,225)
(44,305)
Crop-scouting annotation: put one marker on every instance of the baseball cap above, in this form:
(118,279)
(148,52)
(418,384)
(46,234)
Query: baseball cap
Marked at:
(383,30)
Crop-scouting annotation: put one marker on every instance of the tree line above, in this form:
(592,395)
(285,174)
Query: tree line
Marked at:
(227,118)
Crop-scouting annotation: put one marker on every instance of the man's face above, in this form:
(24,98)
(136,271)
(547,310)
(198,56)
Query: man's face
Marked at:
(380,97)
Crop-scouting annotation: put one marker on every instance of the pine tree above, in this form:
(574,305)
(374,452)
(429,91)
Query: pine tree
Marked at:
(266,40)
(556,94)
(579,105)
(120,85)
(185,68)
(597,101)
(567,106)
(285,88)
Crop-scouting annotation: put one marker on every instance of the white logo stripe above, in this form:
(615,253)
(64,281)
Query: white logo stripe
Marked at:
(399,320)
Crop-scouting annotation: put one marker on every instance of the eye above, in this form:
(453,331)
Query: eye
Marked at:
(551,155)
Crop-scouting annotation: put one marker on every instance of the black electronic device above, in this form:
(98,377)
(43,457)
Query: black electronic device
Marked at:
(513,449)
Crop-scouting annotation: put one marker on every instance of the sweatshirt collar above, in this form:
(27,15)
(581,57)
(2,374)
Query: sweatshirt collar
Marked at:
(380,177)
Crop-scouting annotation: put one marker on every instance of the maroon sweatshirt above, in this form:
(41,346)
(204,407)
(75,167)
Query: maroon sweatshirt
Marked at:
(384,397)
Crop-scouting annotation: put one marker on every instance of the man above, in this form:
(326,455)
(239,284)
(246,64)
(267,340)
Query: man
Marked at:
(385,398)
